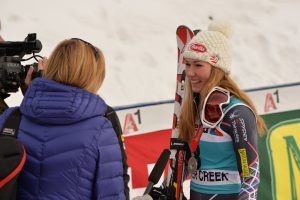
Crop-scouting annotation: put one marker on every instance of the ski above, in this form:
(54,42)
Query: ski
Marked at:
(178,153)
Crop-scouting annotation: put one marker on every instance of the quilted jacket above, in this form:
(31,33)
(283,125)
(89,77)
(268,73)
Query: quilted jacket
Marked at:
(72,149)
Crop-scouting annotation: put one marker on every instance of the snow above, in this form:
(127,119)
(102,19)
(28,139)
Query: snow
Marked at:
(139,43)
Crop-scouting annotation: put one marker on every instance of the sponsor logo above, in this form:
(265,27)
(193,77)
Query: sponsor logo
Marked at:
(234,115)
(235,132)
(215,59)
(242,130)
(210,176)
(9,131)
(199,48)
(244,162)
(241,121)
(283,144)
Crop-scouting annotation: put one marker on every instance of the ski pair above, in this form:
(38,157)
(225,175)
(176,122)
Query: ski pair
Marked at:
(176,170)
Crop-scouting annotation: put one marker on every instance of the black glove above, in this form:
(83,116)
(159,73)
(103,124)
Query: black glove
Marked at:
(158,193)
(4,95)
(164,193)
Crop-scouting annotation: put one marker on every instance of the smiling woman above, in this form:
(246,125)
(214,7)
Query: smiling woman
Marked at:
(198,73)
(218,121)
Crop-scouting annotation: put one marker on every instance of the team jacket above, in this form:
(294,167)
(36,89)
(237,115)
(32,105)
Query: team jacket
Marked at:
(227,156)
(72,149)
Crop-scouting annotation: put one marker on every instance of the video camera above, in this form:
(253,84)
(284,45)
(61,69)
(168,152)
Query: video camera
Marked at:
(12,72)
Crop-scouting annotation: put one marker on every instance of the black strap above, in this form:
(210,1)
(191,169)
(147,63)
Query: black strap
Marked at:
(12,123)
(112,116)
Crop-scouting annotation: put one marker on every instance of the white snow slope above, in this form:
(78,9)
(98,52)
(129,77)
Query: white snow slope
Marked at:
(138,39)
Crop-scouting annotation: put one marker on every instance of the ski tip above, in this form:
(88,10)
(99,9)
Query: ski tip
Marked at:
(182,27)
(184,34)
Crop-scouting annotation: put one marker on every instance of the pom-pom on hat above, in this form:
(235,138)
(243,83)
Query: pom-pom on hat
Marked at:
(212,46)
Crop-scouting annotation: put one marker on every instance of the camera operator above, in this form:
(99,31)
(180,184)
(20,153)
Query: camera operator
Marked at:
(3,105)
(110,114)
(27,82)
(24,84)
(28,79)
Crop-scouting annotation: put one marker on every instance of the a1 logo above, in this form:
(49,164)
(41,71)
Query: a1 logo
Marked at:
(130,124)
(272,99)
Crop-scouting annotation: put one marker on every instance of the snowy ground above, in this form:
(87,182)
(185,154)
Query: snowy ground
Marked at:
(138,39)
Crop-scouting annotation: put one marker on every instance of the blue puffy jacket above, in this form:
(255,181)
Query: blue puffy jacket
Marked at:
(72,150)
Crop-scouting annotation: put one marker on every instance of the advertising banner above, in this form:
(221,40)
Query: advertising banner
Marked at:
(147,130)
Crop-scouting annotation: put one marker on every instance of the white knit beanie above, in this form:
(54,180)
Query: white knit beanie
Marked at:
(212,46)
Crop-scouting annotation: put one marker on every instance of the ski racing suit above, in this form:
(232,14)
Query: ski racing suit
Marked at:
(228,164)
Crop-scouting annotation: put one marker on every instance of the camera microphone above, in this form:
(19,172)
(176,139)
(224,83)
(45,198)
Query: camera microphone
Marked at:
(30,45)
(157,170)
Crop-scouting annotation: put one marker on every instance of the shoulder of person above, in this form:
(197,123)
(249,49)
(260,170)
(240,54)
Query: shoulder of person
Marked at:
(236,106)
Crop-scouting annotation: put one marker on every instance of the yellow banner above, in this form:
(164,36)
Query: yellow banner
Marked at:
(283,146)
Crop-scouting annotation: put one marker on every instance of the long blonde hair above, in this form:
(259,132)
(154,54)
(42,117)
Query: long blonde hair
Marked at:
(190,111)
(73,62)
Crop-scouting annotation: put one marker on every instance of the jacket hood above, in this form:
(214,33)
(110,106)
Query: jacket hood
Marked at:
(49,102)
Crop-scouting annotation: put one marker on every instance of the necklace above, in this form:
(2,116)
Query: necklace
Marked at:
(193,162)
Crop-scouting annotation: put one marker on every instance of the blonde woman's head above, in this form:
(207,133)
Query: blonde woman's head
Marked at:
(77,63)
